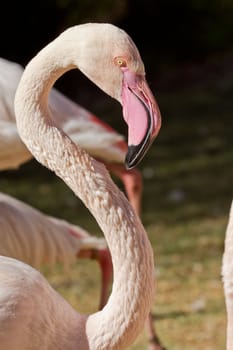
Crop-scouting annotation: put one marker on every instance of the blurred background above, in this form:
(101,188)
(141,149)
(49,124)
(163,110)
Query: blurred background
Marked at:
(187,48)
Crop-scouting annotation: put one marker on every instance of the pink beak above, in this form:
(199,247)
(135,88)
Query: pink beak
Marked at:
(141,114)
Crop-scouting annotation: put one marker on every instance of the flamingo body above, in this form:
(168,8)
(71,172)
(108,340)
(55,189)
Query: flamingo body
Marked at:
(24,290)
(37,239)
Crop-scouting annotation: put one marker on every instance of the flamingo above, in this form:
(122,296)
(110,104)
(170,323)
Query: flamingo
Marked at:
(84,128)
(119,71)
(29,235)
(227,273)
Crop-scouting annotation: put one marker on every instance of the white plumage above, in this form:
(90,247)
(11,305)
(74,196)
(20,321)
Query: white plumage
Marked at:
(35,238)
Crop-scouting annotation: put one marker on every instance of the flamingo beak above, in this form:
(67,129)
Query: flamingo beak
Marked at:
(141,114)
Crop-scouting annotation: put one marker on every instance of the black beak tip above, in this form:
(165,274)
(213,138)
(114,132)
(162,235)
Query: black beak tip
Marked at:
(132,157)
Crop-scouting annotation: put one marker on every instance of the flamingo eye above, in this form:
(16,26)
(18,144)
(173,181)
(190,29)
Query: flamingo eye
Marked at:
(121,62)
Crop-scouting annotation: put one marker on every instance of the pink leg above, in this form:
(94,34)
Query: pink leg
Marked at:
(105,261)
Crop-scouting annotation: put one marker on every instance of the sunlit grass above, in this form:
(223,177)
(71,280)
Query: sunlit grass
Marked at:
(187,192)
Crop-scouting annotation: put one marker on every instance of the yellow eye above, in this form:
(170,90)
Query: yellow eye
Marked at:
(121,62)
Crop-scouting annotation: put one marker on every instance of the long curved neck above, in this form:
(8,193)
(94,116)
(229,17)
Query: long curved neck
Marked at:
(123,317)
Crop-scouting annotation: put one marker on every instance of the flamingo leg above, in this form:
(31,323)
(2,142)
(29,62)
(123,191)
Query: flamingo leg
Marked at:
(103,257)
(105,262)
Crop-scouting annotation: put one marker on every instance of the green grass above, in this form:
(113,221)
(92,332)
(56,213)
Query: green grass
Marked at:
(187,193)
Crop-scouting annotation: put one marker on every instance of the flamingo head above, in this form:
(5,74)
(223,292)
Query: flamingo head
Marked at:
(109,58)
